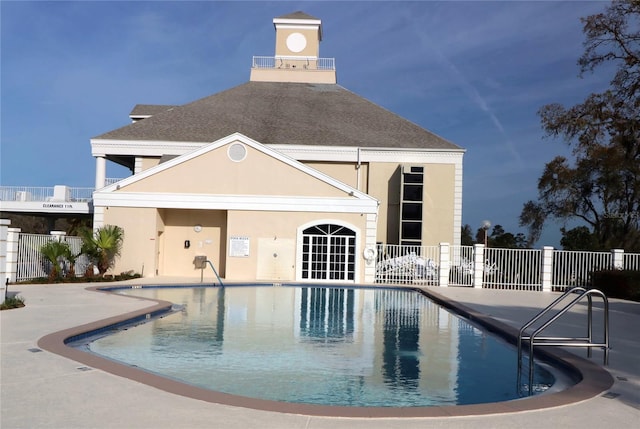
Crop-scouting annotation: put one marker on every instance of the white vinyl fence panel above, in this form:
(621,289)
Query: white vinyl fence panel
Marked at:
(32,264)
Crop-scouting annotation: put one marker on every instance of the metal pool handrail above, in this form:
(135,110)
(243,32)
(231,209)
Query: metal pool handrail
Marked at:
(587,341)
(216,273)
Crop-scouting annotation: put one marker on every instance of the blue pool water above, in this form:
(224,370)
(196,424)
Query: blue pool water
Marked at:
(330,346)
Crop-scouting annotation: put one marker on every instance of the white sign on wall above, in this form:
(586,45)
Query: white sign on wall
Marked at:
(239,247)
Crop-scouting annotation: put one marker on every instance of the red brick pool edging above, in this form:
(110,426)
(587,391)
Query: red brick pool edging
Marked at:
(595,379)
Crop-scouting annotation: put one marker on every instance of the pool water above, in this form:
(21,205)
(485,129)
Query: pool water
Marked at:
(360,347)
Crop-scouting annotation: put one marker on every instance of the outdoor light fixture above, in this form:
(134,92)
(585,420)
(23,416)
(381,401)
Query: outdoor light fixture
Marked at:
(485,225)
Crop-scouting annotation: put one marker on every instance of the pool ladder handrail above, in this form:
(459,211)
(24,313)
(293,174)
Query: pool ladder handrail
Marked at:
(587,341)
(214,270)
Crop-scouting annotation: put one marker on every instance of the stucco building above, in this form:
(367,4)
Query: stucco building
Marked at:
(288,177)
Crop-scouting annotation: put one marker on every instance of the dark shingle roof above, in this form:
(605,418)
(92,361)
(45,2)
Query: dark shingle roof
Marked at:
(149,109)
(298,15)
(284,113)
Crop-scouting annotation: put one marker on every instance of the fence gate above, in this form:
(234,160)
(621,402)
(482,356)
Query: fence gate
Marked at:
(32,264)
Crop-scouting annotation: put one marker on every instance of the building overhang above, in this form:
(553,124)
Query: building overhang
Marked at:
(47,207)
(235,202)
(157,148)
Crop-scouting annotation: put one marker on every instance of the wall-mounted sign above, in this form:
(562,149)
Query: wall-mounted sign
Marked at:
(239,246)
(57,206)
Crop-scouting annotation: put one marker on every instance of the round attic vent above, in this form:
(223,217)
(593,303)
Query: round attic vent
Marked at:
(237,152)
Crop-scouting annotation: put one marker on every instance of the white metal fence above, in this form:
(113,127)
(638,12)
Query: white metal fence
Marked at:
(263,62)
(495,268)
(407,264)
(443,265)
(512,269)
(461,268)
(32,264)
(631,261)
(573,268)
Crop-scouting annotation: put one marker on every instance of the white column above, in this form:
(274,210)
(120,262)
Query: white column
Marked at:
(98,217)
(137,165)
(370,243)
(4,232)
(546,269)
(445,264)
(12,253)
(8,253)
(101,172)
(617,259)
(478,265)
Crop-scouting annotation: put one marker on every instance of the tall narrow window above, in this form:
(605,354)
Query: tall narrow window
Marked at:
(328,253)
(411,190)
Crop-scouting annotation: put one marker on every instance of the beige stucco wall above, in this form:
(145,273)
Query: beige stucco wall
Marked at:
(273,242)
(384,185)
(438,203)
(298,74)
(155,239)
(175,259)
(312,48)
(148,162)
(214,173)
(272,238)
(346,172)
(141,227)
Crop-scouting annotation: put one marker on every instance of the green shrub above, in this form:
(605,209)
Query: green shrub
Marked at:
(624,284)
(86,279)
(12,302)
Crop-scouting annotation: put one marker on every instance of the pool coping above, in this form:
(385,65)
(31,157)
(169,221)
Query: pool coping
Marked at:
(595,379)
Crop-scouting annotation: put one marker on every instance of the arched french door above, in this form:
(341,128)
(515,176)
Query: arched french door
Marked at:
(328,253)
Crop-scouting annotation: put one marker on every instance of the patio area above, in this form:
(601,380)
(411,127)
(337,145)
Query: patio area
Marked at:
(40,389)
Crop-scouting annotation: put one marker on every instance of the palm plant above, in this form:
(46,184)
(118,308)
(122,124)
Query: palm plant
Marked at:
(56,253)
(71,258)
(102,246)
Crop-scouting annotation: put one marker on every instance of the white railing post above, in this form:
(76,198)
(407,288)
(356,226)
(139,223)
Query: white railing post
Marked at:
(478,265)
(617,259)
(444,264)
(546,268)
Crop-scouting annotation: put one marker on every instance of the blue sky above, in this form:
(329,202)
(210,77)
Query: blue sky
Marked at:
(474,73)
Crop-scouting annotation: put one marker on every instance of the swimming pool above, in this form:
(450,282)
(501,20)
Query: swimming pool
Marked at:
(354,347)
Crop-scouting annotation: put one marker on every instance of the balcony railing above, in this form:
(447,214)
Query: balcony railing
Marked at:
(49,193)
(34,193)
(294,63)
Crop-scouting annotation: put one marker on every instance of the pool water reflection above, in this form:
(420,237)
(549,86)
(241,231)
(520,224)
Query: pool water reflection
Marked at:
(331,346)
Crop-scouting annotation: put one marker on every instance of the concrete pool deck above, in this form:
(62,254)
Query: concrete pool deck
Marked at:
(42,389)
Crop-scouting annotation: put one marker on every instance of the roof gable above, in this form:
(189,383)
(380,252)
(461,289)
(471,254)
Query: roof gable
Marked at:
(220,169)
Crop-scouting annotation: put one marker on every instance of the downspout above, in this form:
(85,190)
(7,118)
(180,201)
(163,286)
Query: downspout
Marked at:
(358,169)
